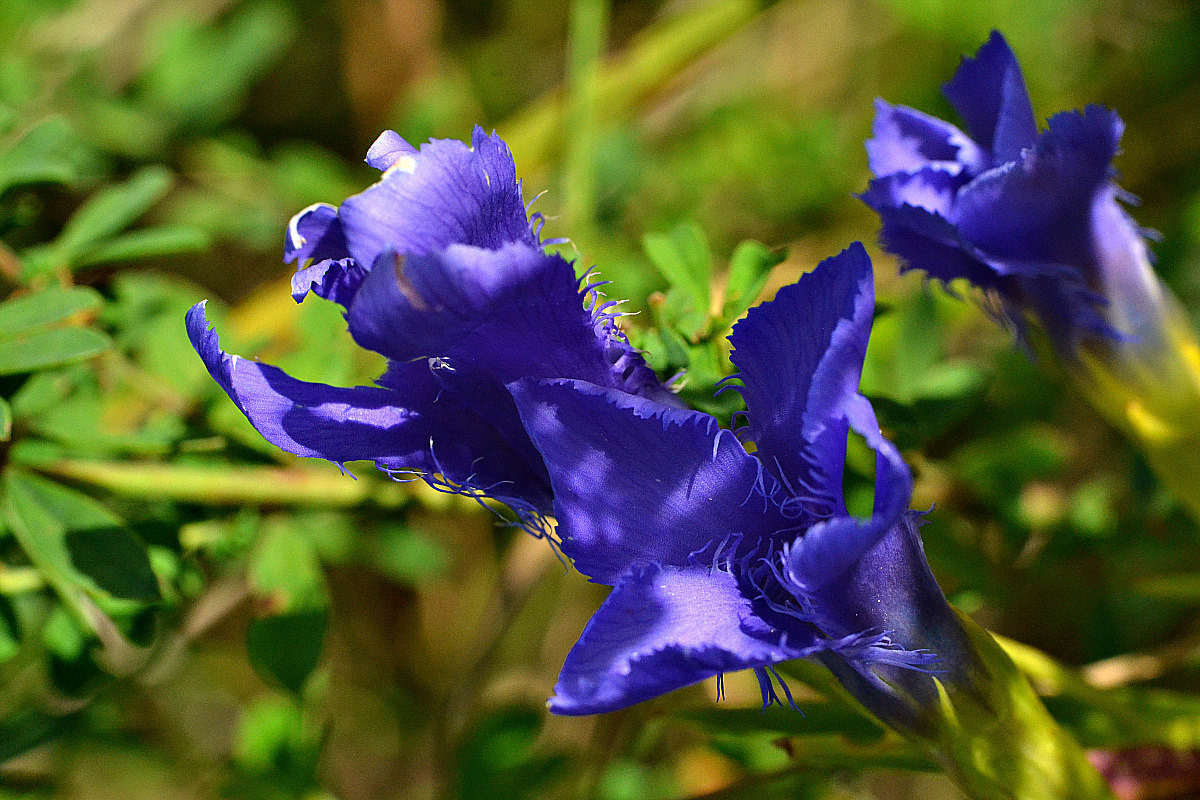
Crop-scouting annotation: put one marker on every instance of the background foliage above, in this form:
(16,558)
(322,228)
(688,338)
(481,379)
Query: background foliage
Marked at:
(186,612)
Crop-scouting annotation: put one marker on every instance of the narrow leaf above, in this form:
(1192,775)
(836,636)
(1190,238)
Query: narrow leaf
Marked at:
(75,542)
(286,648)
(146,243)
(749,267)
(683,258)
(46,153)
(112,209)
(47,307)
(50,348)
(116,560)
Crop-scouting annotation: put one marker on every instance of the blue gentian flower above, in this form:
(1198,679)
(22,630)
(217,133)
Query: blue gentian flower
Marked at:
(723,559)
(440,268)
(1032,219)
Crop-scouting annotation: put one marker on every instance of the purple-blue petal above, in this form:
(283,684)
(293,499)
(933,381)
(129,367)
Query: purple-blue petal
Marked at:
(891,589)
(929,188)
(637,482)
(906,140)
(446,193)
(988,92)
(411,422)
(800,359)
(1038,208)
(387,149)
(312,419)
(314,233)
(1136,302)
(516,312)
(335,280)
(929,242)
(662,628)
(829,549)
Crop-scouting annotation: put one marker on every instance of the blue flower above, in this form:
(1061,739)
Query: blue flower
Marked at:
(723,560)
(440,268)
(1030,218)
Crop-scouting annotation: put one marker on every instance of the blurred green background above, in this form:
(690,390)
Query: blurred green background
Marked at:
(186,612)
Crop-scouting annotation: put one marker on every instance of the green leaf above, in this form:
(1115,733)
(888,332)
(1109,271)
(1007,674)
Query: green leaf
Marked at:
(270,727)
(45,308)
(76,543)
(10,631)
(410,557)
(683,258)
(6,417)
(114,208)
(950,380)
(46,153)
(50,348)
(116,560)
(287,647)
(749,268)
(816,718)
(27,729)
(202,70)
(147,243)
(1181,588)
(105,214)
(285,571)
(44,390)
(498,757)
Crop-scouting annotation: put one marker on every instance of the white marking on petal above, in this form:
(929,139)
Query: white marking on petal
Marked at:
(403,164)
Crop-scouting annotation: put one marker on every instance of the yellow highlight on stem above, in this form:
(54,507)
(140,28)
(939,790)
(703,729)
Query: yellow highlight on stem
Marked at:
(1146,425)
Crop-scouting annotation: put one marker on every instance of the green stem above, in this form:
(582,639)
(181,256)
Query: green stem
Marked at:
(980,719)
(658,54)
(996,739)
(588,32)
(1151,391)
(229,485)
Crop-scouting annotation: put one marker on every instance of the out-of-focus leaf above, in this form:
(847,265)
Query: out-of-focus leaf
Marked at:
(949,380)
(76,543)
(146,243)
(116,560)
(202,71)
(410,557)
(144,314)
(498,757)
(27,729)
(287,647)
(285,641)
(43,390)
(1092,513)
(816,718)
(105,214)
(1181,588)
(749,268)
(45,308)
(46,153)
(270,726)
(122,127)
(62,636)
(50,348)
(684,259)
(112,209)
(10,631)
(285,571)
(6,417)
